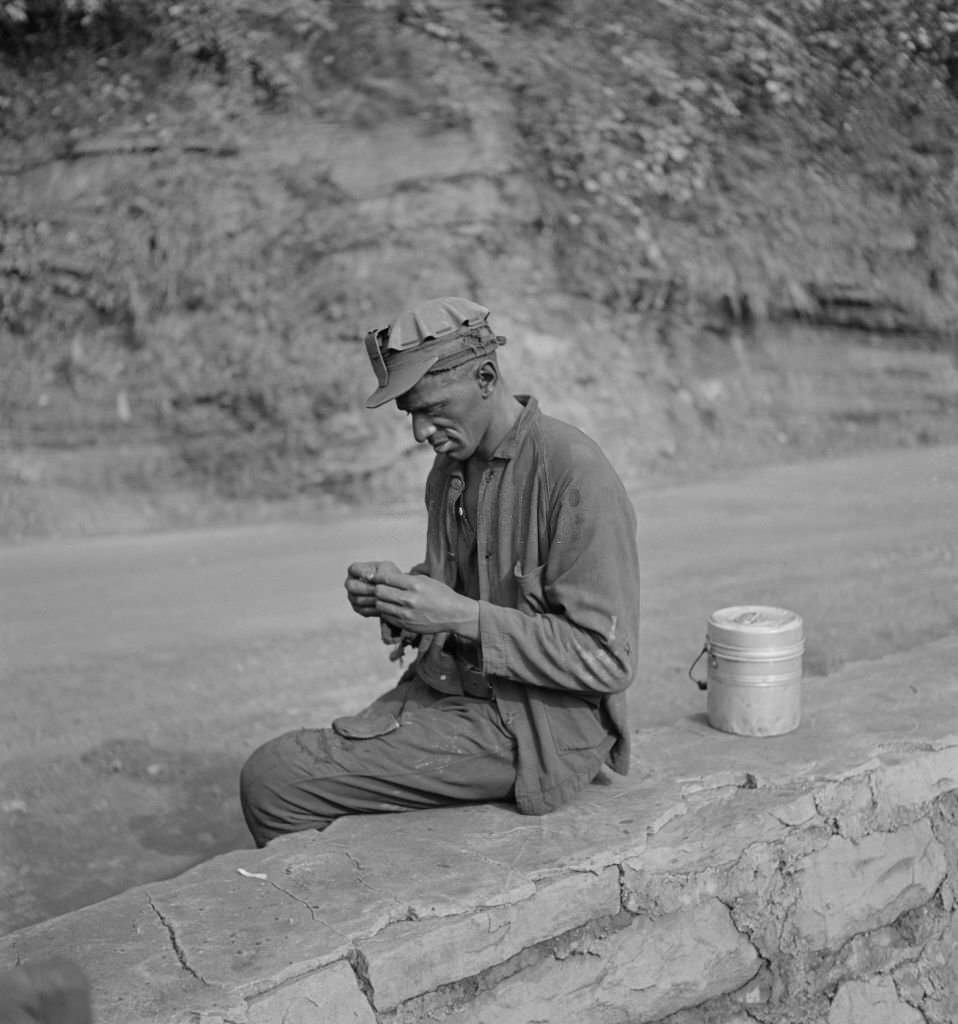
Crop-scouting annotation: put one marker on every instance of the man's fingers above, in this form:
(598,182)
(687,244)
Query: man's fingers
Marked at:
(372,572)
(392,596)
(362,570)
(361,596)
(392,577)
(359,588)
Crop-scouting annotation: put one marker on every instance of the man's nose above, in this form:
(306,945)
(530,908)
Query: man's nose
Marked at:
(422,427)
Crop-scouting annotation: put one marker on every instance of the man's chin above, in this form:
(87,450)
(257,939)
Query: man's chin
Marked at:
(453,450)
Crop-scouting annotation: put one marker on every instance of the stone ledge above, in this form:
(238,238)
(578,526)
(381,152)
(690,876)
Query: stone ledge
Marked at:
(730,877)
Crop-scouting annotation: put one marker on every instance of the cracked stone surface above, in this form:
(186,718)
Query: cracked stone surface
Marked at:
(458,947)
(125,950)
(331,993)
(874,1001)
(835,845)
(642,974)
(175,942)
(850,887)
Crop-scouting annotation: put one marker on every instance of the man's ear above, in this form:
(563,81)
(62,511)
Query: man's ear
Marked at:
(487,376)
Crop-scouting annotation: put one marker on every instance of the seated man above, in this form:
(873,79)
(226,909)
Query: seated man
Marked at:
(524,613)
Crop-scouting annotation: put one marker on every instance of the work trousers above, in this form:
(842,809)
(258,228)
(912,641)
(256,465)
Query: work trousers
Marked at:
(455,750)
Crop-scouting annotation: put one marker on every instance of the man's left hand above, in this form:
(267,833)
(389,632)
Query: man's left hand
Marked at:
(424,605)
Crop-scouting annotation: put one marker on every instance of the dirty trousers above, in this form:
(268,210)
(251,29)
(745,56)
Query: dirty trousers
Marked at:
(456,750)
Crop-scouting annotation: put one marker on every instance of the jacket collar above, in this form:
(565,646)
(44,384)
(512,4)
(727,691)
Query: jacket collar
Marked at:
(509,445)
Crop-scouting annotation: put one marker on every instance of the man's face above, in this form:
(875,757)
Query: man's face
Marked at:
(448,412)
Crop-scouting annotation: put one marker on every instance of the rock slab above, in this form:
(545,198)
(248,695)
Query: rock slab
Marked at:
(813,874)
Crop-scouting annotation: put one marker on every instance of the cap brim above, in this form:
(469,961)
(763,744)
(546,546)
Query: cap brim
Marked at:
(401,380)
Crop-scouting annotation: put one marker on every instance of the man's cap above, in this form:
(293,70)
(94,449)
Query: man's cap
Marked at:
(436,335)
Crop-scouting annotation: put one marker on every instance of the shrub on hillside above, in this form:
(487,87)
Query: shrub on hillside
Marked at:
(637,141)
(775,54)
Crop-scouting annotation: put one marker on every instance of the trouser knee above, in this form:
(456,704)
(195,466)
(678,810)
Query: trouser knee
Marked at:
(259,784)
(282,788)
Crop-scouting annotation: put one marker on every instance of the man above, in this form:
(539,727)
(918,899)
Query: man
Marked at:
(524,613)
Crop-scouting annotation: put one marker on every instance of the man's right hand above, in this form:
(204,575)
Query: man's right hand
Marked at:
(361,580)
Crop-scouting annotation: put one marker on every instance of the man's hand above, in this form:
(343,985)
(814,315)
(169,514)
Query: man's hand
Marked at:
(361,580)
(421,604)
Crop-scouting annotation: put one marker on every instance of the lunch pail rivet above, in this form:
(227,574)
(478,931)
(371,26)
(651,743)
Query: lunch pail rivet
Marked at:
(754,678)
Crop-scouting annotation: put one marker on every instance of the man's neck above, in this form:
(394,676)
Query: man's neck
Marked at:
(503,418)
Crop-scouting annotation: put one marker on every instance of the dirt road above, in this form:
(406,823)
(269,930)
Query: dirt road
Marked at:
(137,673)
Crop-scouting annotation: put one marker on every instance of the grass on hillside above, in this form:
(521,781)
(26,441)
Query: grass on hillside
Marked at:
(699,162)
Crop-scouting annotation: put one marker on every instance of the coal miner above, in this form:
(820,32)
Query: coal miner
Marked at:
(523,615)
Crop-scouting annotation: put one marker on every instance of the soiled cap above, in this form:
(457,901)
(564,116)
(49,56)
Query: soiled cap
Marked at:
(437,335)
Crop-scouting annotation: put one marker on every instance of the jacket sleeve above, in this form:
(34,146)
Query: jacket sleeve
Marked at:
(575,622)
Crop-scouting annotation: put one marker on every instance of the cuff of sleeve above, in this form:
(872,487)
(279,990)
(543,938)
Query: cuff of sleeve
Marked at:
(491,640)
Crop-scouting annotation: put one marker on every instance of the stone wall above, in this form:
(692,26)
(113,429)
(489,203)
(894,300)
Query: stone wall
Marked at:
(806,879)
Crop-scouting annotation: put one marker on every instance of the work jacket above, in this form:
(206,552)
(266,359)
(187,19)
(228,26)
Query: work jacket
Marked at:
(558,599)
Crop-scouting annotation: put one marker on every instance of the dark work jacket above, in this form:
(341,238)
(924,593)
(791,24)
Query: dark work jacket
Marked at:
(558,602)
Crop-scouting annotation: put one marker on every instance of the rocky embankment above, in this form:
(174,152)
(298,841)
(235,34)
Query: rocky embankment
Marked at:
(700,278)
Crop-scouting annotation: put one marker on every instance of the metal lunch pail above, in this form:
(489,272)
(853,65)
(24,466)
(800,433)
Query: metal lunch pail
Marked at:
(754,679)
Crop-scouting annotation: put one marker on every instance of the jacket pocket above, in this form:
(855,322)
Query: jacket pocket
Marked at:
(578,727)
(365,727)
(529,589)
